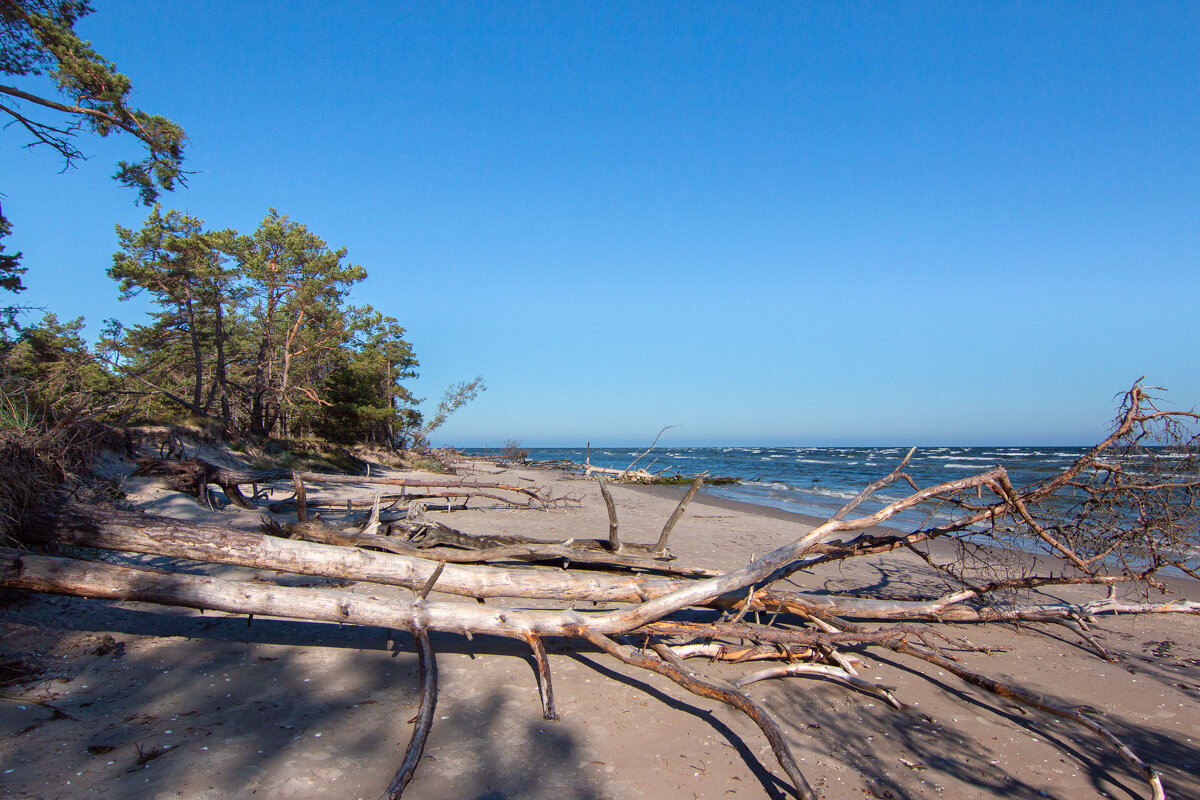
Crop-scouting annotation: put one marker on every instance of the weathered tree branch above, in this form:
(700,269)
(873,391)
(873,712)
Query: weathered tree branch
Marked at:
(427,662)
(674,612)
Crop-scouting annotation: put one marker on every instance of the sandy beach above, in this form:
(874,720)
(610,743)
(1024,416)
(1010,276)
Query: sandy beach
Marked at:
(138,701)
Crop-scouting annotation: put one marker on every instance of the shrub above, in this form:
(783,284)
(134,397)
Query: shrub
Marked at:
(513,452)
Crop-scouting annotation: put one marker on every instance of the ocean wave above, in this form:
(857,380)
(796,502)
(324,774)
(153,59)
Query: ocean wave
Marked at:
(840,494)
(768,485)
(961,458)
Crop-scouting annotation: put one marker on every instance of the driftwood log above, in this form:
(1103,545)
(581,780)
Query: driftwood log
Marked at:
(192,476)
(1080,521)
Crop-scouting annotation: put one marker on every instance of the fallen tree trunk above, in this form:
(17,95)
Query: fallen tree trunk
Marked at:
(464,488)
(58,575)
(663,618)
(193,475)
(567,553)
(111,529)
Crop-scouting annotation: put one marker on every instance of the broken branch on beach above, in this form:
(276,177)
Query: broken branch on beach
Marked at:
(663,614)
(192,476)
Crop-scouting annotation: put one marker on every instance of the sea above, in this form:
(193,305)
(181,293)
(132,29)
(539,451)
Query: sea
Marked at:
(817,481)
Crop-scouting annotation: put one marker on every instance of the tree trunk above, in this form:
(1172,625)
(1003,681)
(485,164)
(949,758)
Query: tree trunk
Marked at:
(197,355)
(258,422)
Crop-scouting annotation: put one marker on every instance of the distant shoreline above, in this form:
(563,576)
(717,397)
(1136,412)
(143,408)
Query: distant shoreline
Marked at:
(813,482)
(1175,581)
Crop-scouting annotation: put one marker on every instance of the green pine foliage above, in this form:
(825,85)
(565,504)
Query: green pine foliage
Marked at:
(37,37)
(49,371)
(253,331)
(256,330)
(10,276)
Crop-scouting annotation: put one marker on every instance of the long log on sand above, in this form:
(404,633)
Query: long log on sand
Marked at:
(657,614)
(141,533)
(23,570)
(423,483)
(192,475)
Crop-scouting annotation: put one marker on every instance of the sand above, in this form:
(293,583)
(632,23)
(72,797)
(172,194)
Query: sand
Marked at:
(284,709)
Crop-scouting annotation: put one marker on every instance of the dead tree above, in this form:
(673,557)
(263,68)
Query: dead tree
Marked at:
(192,476)
(1119,515)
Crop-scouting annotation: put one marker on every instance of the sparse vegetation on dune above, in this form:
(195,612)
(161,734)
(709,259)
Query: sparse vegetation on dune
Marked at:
(40,456)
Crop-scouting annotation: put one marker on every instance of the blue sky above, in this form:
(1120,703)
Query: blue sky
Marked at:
(800,223)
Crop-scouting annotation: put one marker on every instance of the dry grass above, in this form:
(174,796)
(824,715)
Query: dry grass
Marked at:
(31,470)
(39,460)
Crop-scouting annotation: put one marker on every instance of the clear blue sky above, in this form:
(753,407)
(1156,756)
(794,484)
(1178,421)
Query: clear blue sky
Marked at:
(798,223)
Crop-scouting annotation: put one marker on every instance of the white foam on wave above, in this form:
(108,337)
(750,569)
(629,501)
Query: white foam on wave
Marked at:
(962,458)
(841,494)
(878,499)
(783,487)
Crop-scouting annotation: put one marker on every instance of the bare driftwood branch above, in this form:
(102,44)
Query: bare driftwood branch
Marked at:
(1117,517)
(301,498)
(191,476)
(648,449)
(826,672)
(661,547)
(614,543)
(416,746)
(545,687)
(731,697)
(111,529)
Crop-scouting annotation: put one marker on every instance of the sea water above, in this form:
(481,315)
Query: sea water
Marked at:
(818,480)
